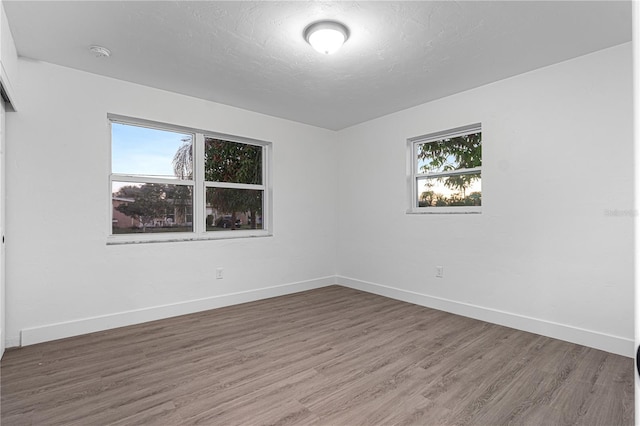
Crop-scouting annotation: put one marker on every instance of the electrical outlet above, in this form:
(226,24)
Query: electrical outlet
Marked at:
(219,274)
(439,271)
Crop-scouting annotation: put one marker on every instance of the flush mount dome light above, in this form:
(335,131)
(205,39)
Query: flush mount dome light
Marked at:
(326,36)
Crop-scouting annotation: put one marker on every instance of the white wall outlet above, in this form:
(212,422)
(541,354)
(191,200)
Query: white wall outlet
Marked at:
(439,271)
(218,273)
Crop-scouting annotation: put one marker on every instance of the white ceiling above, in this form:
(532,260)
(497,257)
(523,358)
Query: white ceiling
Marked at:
(252,54)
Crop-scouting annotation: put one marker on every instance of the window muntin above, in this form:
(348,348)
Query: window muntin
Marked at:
(197,181)
(446,171)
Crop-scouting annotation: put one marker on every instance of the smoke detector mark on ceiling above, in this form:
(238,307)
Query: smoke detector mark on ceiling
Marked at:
(99,51)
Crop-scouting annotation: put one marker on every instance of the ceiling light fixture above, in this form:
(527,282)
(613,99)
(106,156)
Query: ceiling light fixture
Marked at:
(100,52)
(326,36)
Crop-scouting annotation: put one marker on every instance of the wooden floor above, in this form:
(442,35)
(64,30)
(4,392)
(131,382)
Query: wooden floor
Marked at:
(332,356)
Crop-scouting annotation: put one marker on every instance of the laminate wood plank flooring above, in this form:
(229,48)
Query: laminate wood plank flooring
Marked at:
(330,356)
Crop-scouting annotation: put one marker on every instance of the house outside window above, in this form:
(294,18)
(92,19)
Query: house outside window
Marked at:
(174,183)
(445,171)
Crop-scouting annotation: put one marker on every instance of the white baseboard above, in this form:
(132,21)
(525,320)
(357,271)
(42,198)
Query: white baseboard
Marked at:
(12,342)
(606,342)
(45,333)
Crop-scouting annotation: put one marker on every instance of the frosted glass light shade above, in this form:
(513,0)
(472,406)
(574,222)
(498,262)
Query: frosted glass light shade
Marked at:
(326,36)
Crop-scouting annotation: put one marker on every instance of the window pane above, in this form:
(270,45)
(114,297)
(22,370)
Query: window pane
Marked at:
(459,190)
(461,152)
(232,162)
(142,151)
(229,209)
(151,208)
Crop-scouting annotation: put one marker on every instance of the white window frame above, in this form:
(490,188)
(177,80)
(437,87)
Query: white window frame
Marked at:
(414,174)
(198,184)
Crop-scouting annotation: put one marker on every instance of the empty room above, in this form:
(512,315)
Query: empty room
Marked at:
(317,213)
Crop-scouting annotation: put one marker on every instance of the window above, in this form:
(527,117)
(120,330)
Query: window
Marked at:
(233,176)
(446,171)
(173,183)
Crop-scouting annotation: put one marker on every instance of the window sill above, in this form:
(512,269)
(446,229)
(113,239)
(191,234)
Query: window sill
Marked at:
(113,240)
(445,210)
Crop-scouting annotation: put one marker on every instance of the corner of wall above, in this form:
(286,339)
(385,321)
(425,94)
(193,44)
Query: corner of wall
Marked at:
(606,342)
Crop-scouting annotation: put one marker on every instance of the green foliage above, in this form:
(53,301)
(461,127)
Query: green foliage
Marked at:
(178,194)
(450,154)
(238,163)
(232,162)
(432,199)
(227,161)
(461,152)
(149,201)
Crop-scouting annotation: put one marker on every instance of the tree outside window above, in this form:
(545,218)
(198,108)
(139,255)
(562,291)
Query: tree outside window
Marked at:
(166,180)
(447,169)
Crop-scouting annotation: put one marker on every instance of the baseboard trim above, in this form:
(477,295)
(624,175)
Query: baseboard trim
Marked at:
(45,333)
(606,342)
(11,342)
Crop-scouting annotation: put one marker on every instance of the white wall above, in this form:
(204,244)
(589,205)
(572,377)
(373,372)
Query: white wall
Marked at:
(8,54)
(8,63)
(62,277)
(636,145)
(545,255)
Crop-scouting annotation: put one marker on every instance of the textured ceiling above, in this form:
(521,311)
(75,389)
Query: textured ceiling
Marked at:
(252,54)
